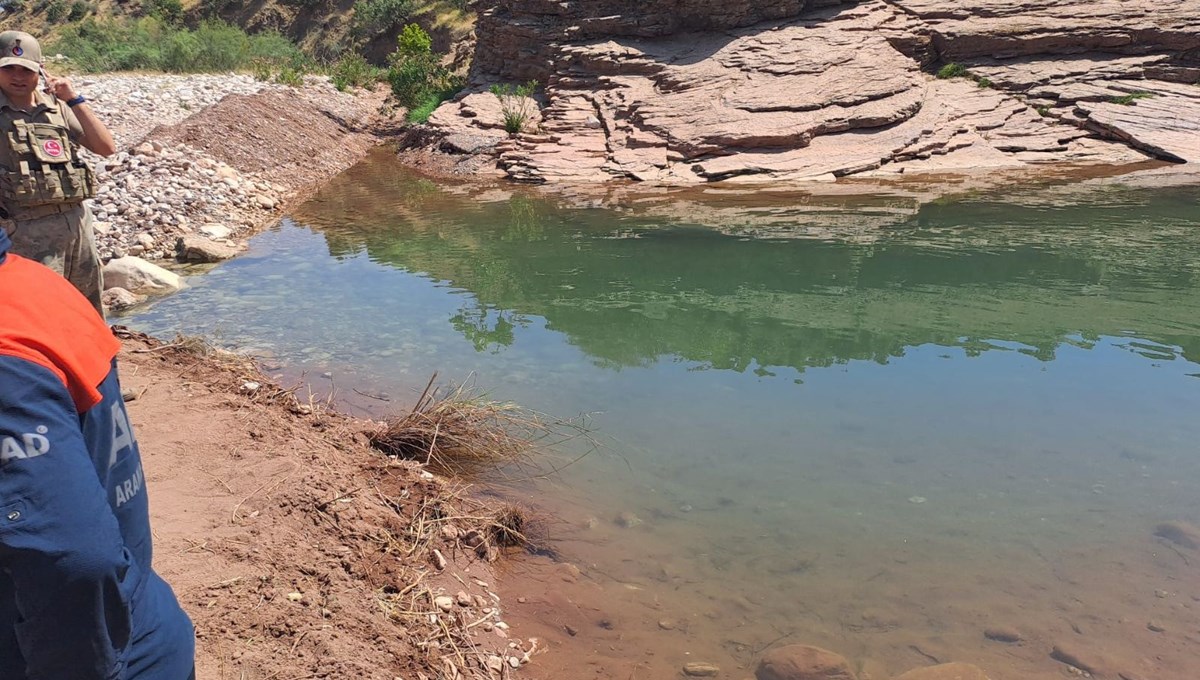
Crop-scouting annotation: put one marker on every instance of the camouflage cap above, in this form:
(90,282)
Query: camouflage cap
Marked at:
(20,49)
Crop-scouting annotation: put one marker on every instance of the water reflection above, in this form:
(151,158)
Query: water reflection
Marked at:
(630,289)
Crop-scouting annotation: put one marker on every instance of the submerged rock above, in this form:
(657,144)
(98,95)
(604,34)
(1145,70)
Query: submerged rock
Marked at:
(803,662)
(946,671)
(1180,533)
(701,669)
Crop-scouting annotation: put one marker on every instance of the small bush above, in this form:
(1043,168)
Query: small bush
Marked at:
(952,70)
(413,40)
(514,104)
(290,76)
(372,17)
(352,70)
(1043,111)
(983,82)
(79,10)
(56,10)
(170,11)
(414,72)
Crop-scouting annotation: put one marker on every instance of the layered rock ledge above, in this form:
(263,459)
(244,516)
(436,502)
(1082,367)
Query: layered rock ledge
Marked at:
(695,91)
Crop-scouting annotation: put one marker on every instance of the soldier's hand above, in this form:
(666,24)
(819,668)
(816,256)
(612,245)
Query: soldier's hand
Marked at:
(60,87)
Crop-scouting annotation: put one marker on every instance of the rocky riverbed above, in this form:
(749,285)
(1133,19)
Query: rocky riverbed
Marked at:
(204,160)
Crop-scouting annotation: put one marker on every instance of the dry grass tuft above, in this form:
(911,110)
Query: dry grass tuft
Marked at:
(510,526)
(456,431)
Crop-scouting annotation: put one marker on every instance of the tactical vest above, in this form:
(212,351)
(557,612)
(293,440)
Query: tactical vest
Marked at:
(46,166)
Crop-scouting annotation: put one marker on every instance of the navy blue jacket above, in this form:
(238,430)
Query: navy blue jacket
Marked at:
(78,597)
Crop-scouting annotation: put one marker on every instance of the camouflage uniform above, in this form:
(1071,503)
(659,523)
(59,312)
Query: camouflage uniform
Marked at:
(57,233)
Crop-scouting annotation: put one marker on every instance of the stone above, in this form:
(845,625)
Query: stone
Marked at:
(627,520)
(467,143)
(195,248)
(701,669)
(265,202)
(945,671)
(1182,534)
(463,599)
(803,662)
(1002,634)
(117,299)
(444,603)
(1084,660)
(139,276)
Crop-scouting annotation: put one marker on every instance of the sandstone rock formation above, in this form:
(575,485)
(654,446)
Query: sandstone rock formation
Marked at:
(692,91)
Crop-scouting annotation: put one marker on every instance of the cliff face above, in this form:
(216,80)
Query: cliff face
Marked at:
(520,39)
(690,91)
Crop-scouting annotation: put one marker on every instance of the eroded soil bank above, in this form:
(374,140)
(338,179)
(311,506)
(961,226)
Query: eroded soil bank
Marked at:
(298,551)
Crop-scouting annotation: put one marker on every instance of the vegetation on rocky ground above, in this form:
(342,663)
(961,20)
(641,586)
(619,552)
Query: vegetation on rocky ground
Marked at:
(418,78)
(516,105)
(177,37)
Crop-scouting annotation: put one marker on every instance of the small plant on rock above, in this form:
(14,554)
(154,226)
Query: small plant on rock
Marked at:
(952,70)
(515,103)
(1131,98)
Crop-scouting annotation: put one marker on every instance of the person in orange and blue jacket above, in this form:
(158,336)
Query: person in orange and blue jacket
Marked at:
(78,597)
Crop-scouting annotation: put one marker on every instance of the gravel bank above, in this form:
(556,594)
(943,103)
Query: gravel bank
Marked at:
(158,188)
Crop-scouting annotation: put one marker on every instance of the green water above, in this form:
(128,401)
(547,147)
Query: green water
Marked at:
(859,423)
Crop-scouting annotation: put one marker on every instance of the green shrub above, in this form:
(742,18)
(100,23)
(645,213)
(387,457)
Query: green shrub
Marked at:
(170,11)
(153,44)
(56,10)
(983,82)
(79,10)
(352,70)
(413,40)
(372,17)
(952,70)
(414,72)
(515,104)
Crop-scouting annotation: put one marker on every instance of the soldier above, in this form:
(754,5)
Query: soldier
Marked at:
(79,599)
(43,182)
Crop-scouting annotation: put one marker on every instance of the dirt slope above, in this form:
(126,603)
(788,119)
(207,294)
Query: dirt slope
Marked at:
(298,551)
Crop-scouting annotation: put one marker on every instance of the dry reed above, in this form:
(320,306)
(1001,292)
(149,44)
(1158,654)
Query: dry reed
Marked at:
(457,431)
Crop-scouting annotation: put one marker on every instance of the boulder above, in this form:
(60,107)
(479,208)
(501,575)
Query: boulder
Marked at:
(195,248)
(803,662)
(117,299)
(945,671)
(215,230)
(139,276)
